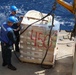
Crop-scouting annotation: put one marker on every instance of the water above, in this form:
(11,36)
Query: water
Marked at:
(61,14)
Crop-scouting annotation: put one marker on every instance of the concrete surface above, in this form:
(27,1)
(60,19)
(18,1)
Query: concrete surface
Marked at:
(62,67)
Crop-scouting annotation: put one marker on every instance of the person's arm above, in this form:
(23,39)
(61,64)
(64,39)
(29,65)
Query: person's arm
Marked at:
(20,20)
(11,36)
(18,27)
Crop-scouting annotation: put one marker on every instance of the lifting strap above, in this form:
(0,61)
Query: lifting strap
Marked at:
(45,66)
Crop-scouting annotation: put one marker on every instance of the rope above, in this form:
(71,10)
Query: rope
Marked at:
(44,66)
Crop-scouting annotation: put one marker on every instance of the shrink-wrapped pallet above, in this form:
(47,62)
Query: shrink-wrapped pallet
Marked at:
(34,43)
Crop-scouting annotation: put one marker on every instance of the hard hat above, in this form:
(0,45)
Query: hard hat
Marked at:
(12,19)
(13,8)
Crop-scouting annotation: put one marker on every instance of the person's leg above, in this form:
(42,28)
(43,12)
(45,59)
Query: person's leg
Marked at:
(17,42)
(4,56)
(9,55)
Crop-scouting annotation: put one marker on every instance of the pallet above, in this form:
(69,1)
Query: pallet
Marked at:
(33,45)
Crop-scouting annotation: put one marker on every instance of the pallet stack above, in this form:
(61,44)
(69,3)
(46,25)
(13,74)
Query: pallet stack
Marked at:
(33,45)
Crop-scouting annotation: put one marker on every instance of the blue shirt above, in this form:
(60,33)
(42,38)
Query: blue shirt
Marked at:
(7,34)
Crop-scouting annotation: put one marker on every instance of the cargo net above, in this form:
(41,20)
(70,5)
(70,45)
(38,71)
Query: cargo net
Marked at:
(33,44)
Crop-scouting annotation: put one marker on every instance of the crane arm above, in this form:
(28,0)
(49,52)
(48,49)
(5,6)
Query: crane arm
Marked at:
(68,6)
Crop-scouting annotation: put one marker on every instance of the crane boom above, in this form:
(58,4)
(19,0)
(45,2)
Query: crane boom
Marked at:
(68,6)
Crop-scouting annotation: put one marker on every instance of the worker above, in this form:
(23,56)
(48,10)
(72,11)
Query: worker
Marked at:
(16,27)
(7,38)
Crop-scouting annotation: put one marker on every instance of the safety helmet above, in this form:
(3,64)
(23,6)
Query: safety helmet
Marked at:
(12,19)
(13,8)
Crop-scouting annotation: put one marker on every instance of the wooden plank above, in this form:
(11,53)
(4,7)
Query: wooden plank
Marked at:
(35,61)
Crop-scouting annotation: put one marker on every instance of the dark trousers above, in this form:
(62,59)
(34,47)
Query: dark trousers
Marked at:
(6,53)
(17,40)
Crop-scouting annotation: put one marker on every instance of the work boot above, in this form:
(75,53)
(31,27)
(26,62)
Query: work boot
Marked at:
(12,67)
(4,64)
